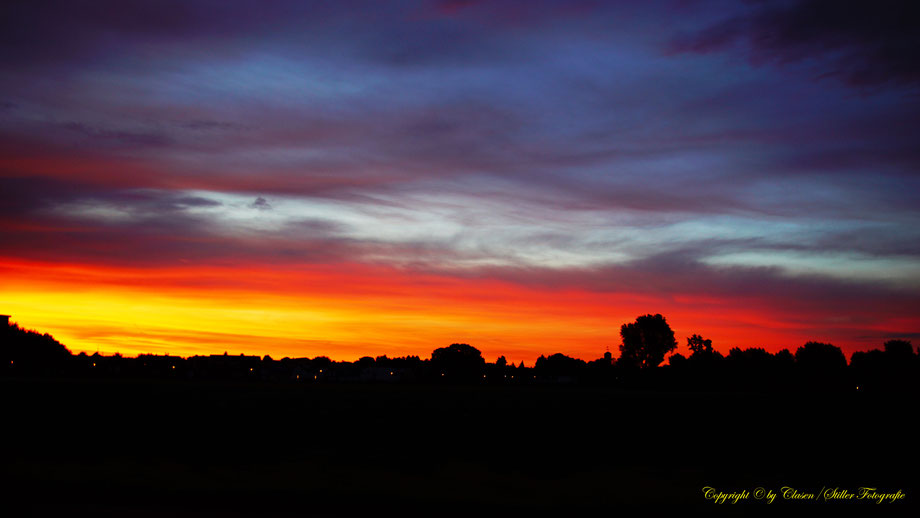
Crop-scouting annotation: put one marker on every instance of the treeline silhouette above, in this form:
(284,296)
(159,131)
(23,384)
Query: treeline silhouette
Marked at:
(644,346)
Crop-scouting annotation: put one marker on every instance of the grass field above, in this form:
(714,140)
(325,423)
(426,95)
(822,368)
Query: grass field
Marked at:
(180,448)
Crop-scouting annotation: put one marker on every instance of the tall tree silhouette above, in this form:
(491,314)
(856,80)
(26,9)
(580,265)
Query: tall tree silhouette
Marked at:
(646,341)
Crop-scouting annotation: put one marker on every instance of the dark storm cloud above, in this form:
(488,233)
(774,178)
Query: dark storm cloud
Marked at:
(865,43)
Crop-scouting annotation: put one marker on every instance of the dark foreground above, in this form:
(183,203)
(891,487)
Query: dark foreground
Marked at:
(181,448)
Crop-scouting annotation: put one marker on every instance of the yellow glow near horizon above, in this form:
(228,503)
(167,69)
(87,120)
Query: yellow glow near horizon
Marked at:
(348,311)
(330,319)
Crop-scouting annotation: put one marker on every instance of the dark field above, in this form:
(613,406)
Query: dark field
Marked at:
(177,448)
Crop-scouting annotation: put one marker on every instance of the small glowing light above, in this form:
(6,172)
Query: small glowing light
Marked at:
(94,365)
(250,369)
(857,387)
(391,373)
(314,377)
(173,366)
(298,376)
(321,371)
(442,374)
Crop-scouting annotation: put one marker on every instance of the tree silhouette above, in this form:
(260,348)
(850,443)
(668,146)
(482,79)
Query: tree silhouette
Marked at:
(699,345)
(701,350)
(646,342)
(784,362)
(756,357)
(820,356)
(559,365)
(899,350)
(458,362)
(27,349)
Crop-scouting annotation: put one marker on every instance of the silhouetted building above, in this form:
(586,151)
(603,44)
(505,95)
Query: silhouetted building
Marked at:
(5,320)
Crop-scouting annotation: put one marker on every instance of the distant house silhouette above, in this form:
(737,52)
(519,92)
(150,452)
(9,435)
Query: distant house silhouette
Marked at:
(5,319)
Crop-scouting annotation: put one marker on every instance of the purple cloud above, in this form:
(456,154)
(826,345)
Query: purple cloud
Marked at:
(866,44)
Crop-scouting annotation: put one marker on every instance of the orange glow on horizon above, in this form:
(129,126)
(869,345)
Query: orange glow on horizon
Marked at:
(346,311)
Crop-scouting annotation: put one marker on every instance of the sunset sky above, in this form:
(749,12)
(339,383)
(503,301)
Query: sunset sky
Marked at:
(363,178)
